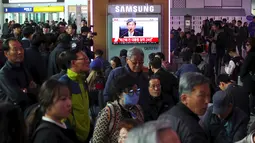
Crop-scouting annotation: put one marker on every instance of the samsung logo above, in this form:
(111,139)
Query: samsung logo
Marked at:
(134,9)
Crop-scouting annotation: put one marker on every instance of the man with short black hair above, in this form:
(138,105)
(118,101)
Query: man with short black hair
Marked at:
(234,66)
(159,102)
(16,32)
(99,56)
(27,33)
(239,94)
(15,81)
(169,82)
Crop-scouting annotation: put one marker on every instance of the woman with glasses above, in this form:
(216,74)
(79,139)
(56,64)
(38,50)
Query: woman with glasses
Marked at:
(124,105)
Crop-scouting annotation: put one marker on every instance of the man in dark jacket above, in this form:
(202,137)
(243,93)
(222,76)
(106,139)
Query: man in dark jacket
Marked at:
(15,81)
(223,122)
(194,98)
(27,33)
(169,83)
(64,44)
(16,32)
(34,61)
(239,94)
(135,60)
(159,102)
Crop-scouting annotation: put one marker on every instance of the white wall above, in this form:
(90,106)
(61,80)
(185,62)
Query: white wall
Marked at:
(73,2)
(195,4)
(246,4)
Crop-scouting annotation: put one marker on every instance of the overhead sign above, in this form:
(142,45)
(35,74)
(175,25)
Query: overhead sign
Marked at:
(30,1)
(49,9)
(134,8)
(18,9)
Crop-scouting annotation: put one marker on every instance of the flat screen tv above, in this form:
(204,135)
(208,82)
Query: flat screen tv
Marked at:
(142,30)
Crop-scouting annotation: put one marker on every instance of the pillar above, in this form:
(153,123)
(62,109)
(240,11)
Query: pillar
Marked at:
(1,16)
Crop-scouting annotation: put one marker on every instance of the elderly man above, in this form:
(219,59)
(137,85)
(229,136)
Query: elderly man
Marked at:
(135,60)
(194,98)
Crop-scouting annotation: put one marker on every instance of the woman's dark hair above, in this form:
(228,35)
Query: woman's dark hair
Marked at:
(117,61)
(48,93)
(12,124)
(121,84)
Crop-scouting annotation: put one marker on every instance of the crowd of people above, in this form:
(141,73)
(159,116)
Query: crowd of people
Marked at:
(54,89)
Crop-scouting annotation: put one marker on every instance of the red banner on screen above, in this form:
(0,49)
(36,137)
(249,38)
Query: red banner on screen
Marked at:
(136,40)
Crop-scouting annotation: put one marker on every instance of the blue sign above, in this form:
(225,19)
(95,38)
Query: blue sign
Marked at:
(18,9)
(249,17)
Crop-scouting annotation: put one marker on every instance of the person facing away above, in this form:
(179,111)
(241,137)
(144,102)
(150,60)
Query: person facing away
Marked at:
(12,124)
(195,95)
(79,119)
(188,66)
(234,66)
(63,45)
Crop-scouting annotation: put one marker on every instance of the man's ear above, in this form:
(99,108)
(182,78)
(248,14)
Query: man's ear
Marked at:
(183,98)
(6,53)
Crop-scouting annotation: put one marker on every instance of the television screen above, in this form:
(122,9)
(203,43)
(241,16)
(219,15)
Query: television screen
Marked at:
(135,30)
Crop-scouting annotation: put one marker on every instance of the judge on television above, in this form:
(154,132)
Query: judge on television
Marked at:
(131,30)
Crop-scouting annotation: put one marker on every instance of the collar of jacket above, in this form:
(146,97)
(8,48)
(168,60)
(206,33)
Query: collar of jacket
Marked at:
(73,75)
(185,109)
(13,65)
(131,72)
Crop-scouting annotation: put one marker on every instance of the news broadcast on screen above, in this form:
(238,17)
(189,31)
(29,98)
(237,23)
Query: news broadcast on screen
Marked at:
(135,30)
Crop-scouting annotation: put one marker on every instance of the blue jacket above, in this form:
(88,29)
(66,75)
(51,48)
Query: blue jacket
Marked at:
(186,68)
(142,83)
(252,29)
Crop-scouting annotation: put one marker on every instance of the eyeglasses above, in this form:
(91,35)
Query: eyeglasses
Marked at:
(155,86)
(83,59)
(132,92)
(137,62)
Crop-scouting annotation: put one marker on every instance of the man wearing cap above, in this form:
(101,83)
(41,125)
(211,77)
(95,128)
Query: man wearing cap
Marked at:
(223,122)
(239,94)
(131,25)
